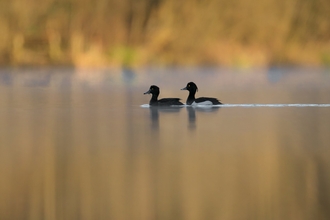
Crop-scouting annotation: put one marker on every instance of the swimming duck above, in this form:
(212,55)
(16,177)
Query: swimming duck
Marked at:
(154,90)
(191,100)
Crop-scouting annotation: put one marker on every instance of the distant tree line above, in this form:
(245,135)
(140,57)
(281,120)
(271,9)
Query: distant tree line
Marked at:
(165,32)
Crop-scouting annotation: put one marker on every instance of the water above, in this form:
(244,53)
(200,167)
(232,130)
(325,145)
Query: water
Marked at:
(83,144)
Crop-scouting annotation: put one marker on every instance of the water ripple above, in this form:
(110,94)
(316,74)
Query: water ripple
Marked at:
(275,105)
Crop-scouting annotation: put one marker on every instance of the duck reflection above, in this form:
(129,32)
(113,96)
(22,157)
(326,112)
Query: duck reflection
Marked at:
(191,118)
(154,114)
(192,114)
(191,110)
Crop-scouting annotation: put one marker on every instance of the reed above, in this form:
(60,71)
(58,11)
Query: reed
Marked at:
(154,32)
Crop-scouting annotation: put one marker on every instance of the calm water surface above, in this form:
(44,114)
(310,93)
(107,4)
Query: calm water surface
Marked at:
(80,144)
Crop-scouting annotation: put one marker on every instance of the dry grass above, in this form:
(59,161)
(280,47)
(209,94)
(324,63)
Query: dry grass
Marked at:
(155,32)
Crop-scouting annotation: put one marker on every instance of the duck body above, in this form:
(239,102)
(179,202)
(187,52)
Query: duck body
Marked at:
(154,101)
(204,101)
(191,100)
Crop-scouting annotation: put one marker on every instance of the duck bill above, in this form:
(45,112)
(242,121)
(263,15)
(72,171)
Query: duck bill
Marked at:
(147,92)
(185,88)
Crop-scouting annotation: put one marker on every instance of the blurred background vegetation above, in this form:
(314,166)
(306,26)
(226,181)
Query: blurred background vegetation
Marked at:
(158,32)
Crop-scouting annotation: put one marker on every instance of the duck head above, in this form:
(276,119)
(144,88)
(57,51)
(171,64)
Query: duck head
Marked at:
(154,90)
(191,87)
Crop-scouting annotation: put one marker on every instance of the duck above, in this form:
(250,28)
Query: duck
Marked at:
(191,100)
(154,91)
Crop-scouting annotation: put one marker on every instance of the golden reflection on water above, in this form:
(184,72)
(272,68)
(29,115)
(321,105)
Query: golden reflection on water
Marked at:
(69,154)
